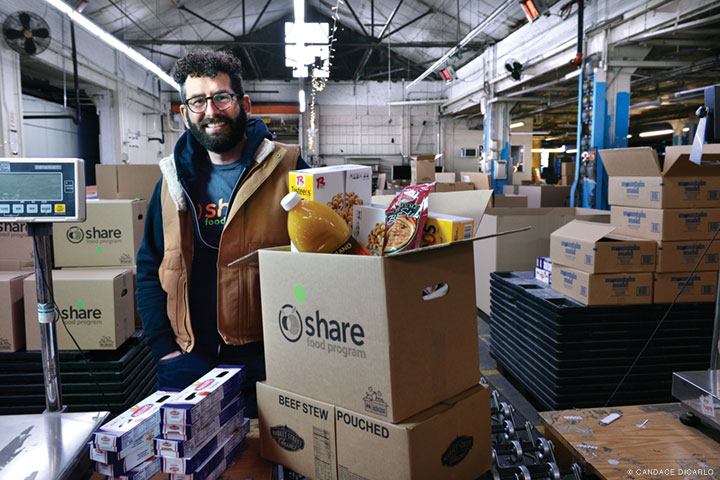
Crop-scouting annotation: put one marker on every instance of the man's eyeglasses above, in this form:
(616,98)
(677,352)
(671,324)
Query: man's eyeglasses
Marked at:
(222,101)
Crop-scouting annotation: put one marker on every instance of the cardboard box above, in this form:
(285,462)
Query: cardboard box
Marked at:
(445,177)
(594,248)
(340,186)
(361,336)
(543,275)
(97,306)
(297,431)
(448,441)
(636,179)
(701,287)
(603,288)
(545,195)
(519,252)
(481,181)
(110,236)
(682,256)
(422,168)
(16,249)
(511,190)
(666,224)
(12,311)
(510,201)
(464,186)
(567,170)
(126,181)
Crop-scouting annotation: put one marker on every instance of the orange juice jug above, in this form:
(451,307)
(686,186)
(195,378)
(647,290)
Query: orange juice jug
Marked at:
(315,227)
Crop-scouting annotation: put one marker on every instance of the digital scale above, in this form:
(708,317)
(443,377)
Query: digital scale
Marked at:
(40,192)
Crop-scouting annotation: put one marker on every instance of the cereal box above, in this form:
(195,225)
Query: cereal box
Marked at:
(339,186)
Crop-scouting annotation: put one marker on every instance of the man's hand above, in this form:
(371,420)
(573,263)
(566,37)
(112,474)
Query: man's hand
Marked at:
(171,355)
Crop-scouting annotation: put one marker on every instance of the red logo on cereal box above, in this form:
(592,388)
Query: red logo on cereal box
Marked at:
(174,469)
(174,427)
(320,182)
(174,412)
(166,444)
(141,410)
(204,385)
(104,438)
(300,180)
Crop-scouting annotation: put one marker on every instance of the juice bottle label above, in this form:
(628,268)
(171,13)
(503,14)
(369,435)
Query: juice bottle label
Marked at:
(352,247)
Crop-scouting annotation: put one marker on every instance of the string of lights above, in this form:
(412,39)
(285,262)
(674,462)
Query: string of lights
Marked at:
(318,82)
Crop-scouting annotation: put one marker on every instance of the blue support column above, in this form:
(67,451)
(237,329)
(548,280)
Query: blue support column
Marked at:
(496,132)
(622,119)
(598,137)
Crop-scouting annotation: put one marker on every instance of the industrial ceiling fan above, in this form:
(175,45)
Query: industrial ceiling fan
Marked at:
(27,33)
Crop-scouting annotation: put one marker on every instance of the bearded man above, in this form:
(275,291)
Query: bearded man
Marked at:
(218,199)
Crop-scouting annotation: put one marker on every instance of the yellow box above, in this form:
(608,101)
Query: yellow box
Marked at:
(440,228)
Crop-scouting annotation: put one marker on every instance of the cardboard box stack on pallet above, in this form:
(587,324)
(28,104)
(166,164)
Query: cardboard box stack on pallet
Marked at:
(363,381)
(195,433)
(675,207)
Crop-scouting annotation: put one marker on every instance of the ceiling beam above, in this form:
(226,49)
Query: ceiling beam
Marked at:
(242,43)
(647,63)
(361,65)
(257,20)
(390,18)
(347,2)
(408,23)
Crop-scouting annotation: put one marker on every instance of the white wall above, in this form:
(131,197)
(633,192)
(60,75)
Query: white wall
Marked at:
(457,135)
(56,137)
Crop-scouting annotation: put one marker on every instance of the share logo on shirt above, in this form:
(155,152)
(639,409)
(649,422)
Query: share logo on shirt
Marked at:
(213,213)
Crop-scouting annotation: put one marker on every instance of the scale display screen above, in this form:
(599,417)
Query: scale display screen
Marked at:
(42,190)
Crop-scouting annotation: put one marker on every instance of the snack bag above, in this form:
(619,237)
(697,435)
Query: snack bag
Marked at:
(405,218)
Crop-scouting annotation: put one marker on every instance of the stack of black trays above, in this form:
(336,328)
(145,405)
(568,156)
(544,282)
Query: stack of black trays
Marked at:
(112,380)
(567,355)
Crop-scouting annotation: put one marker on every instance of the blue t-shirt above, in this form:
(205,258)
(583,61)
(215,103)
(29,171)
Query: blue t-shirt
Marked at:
(215,186)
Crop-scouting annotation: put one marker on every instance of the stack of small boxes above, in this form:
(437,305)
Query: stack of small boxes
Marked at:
(193,434)
(672,209)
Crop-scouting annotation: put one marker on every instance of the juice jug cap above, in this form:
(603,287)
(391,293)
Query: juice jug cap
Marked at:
(290,200)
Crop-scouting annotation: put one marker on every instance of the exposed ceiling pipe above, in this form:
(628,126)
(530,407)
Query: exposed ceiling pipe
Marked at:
(78,115)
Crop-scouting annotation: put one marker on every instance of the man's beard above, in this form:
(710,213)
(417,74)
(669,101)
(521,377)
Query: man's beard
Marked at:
(223,141)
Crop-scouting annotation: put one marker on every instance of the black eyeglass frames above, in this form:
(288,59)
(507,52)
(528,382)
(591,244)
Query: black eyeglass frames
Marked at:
(222,101)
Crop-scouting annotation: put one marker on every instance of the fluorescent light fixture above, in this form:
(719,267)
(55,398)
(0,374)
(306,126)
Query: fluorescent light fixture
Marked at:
(657,133)
(628,136)
(571,150)
(572,74)
(299,8)
(536,132)
(418,102)
(301,100)
(686,129)
(560,149)
(110,40)
(472,34)
(517,124)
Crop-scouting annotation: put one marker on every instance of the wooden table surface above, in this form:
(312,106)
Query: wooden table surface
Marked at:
(663,448)
(247,466)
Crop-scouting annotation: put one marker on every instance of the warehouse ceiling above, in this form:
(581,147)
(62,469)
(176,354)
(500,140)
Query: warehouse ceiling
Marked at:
(399,39)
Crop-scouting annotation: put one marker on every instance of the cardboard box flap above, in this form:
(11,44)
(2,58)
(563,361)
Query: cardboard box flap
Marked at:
(631,162)
(252,258)
(588,231)
(427,156)
(677,161)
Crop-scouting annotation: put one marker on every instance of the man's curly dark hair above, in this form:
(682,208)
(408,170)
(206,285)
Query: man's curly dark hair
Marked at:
(208,63)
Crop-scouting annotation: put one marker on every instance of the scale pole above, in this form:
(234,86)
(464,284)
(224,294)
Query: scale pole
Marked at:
(46,314)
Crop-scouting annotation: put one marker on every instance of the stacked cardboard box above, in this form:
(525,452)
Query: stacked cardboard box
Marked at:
(677,205)
(203,428)
(363,379)
(595,266)
(109,237)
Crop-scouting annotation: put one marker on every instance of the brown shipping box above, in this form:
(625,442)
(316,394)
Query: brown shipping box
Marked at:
(603,288)
(16,250)
(422,168)
(297,432)
(545,195)
(110,236)
(510,201)
(96,305)
(359,333)
(701,287)
(665,224)
(682,256)
(12,322)
(126,181)
(636,179)
(519,251)
(445,177)
(481,181)
(451,440)
(593,248)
